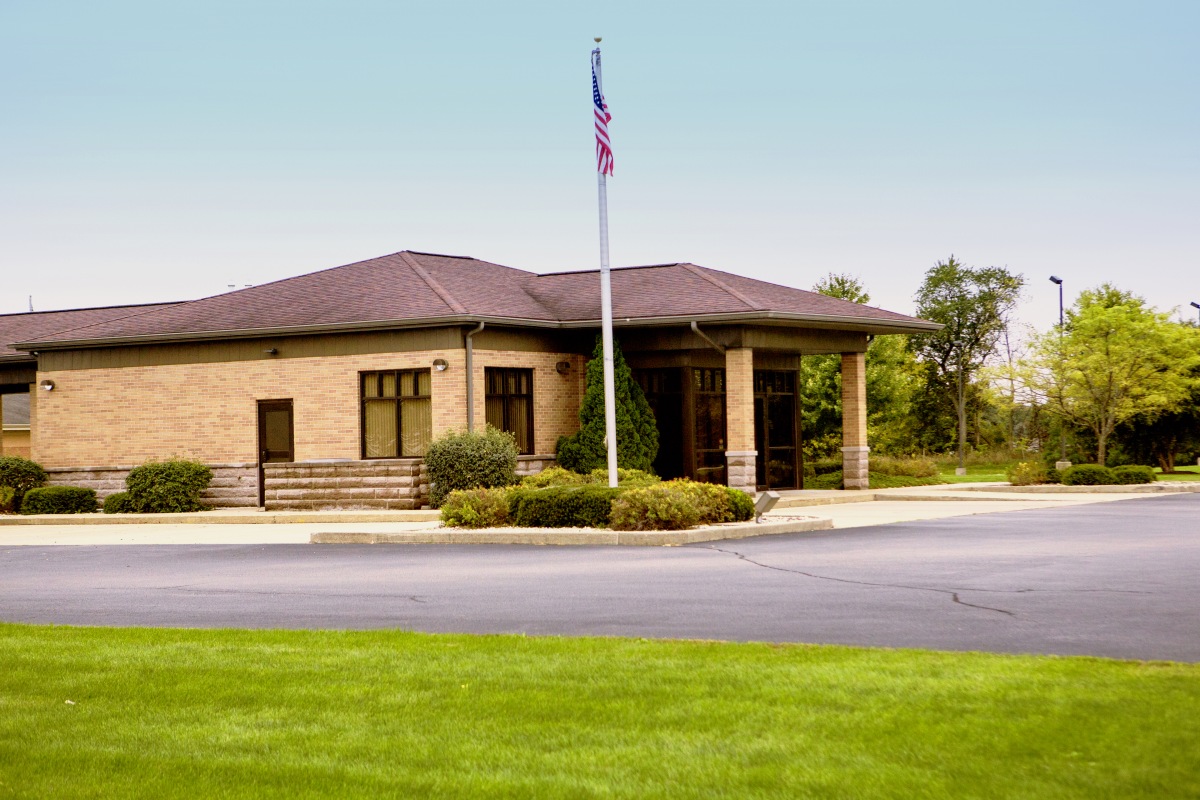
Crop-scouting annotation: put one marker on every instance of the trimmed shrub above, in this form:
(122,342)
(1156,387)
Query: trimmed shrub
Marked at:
(22,475)
(8,499)
(1088,475)
(1053,475)
(741,505)
(554,476)
(825,466)
(910,467)
(1028,473)
(655,508)
(1134,473)
(476,508)
(825,480)
(626,478)
(119,503)
(562,506)
(160,487)
(462,460)
(59,500)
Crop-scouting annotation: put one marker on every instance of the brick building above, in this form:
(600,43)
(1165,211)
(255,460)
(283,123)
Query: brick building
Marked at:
(324,389)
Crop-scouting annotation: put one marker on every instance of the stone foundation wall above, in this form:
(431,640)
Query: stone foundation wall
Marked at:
(233,485)
(386,483)
(532,465)
(399,483)
(742,470)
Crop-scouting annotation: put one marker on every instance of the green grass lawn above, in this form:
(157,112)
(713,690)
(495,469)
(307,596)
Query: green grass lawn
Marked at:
(1180,474)
(175,713)
(976,473)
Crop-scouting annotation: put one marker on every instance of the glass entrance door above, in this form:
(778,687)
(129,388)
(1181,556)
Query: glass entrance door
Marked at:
(775,429)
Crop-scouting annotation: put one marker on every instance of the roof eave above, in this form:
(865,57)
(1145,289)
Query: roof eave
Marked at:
(837,322)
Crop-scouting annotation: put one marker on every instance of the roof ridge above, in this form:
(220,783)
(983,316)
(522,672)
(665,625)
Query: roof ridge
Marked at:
(89,308)
(700,272)
(424,275)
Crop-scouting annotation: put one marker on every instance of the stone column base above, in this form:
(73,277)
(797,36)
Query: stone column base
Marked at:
(741,469)
(854,468)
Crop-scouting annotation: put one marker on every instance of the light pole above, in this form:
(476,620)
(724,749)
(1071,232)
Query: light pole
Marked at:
(1062,454)
(962,415)
(1195,305)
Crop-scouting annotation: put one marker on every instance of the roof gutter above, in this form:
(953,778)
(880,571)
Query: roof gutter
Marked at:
(471,377)
(816,320)
(696,330)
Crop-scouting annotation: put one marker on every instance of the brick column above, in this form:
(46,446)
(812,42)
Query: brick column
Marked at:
(854,421)
(740,465)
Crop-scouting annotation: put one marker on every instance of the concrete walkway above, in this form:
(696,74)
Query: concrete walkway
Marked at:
(797,511)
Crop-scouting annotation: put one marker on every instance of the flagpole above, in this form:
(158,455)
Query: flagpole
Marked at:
(606,334)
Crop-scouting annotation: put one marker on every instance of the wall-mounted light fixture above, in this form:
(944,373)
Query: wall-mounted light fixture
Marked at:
(46,385)
(562,367)
(271,351)
(440,364)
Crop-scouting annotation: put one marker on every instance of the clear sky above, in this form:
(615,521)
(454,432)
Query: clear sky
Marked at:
(162,151)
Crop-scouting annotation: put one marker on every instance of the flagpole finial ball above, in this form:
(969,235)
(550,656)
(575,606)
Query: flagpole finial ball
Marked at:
(596,39)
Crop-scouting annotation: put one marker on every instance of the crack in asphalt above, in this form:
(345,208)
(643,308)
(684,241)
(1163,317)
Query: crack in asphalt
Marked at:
(952,593)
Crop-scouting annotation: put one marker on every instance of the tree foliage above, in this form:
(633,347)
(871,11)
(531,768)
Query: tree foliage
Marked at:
(1116,360)
(891,379)
(974,306)
(637,433)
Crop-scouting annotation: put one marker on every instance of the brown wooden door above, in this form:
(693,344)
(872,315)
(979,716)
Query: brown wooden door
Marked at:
(275,435)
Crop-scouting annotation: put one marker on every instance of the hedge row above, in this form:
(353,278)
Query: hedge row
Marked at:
(563,499)
(1033,473)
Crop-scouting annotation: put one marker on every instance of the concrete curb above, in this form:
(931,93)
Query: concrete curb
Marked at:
(576,536)
(250,517)
(1054,488)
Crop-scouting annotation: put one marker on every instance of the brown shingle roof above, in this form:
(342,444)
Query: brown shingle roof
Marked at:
(424,287)
(45,324)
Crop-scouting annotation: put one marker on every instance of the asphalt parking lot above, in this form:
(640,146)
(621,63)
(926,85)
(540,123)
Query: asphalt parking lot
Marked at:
(1112,579)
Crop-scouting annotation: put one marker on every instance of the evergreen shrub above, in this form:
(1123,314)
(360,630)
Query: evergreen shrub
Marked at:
(554,476)
(476,508)
(119,503)
(59,500)
(22,475)
(161,487)
(8,499)
(637,433)
(1088,475)
(462,460)
(741,505)
(825,466)
(626,478)
(1134,473)
(562,506)
(655,508)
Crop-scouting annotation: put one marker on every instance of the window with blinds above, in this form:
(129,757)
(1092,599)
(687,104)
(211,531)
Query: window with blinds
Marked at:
(397,413)
(509,403)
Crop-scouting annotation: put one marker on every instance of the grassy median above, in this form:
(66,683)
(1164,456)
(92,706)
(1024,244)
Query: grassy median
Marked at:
(89,712)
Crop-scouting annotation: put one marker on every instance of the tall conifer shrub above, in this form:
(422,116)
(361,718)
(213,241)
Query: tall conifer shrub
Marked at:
(637,433)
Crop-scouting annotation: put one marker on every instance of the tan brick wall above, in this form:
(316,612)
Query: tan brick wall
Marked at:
(739,399)
(854,400)
(208,411)
(556,398)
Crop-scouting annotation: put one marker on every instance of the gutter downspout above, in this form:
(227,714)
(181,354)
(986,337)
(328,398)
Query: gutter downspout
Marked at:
(696,330)
(471,379)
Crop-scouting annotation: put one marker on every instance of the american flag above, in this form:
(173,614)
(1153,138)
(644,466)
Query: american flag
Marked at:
(604,156)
